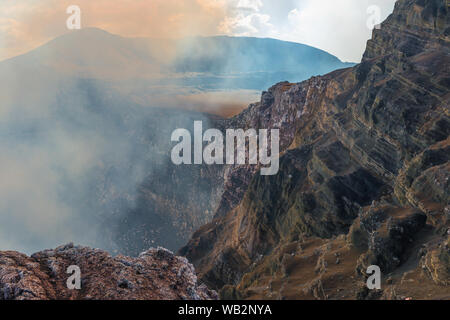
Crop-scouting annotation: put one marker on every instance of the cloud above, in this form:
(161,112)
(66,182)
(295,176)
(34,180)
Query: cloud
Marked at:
(339,27)
(253,24)
(33,216)
(244,18)
(253,5)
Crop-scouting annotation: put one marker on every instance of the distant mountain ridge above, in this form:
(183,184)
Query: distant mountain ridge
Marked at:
(94,53)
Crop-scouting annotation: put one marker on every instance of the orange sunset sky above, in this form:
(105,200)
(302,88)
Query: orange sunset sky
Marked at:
(337,26)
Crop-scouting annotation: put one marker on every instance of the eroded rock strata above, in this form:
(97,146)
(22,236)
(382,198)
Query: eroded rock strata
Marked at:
(364,178)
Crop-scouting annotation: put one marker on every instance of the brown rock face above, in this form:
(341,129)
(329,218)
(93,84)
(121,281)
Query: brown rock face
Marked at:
(436,262)
(364,144)
(155,275)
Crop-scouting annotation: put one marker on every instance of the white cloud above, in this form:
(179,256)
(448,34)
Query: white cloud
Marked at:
(246,18)
(254,24)
(338,27)
(254,5)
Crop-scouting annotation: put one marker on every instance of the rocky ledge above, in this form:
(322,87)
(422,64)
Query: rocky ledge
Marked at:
(157,274)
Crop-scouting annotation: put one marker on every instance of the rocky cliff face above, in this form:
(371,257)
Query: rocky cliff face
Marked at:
(156,274)
(364,177)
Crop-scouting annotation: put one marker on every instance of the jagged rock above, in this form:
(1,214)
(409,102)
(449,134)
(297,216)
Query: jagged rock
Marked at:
(316,288)
(436,262)
(365,294)
(155,274)
(230,293)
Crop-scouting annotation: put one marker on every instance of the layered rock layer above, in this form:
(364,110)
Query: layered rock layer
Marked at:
(364,174)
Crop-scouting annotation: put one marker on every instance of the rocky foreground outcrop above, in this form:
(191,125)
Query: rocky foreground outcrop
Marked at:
(363,180)
(157,274)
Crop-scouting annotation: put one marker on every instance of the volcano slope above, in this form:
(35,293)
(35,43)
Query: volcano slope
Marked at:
(363,180)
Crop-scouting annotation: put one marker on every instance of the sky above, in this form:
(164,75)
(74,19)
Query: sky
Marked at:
(336,26)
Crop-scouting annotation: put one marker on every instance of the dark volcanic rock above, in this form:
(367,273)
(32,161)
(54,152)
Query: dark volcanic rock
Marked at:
(155,275)
(387,232)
